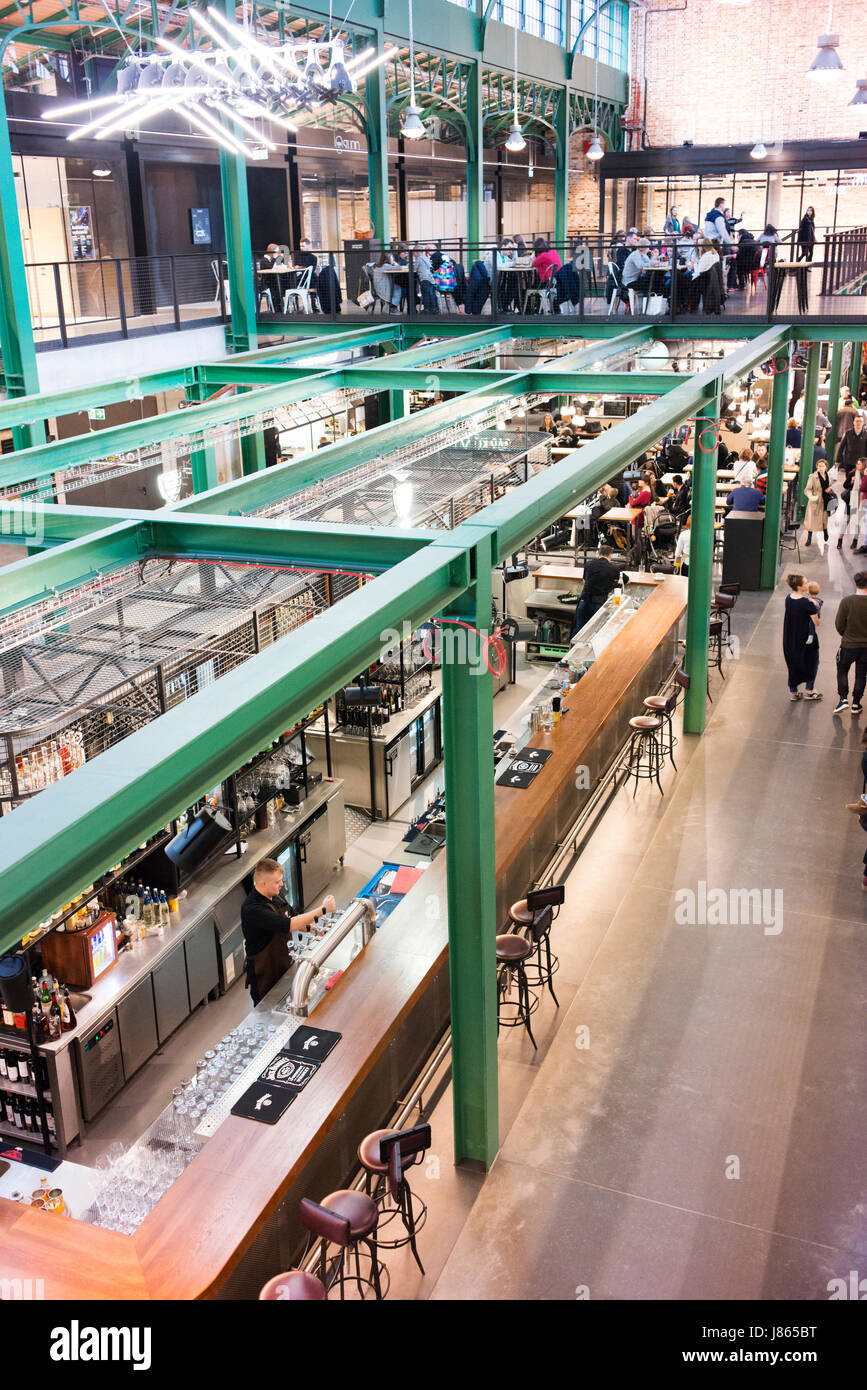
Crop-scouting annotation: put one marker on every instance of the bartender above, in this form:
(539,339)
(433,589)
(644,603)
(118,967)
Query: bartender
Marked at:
(267,921)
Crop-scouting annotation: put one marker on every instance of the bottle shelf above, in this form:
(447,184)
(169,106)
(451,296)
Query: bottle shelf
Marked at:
(22,1088)
(24,1136)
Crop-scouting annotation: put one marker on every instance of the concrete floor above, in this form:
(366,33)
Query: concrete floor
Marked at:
(704,1143)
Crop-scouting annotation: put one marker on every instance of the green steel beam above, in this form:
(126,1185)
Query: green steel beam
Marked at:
(203,462)
(21,410)
(561,171)
(610,347)
(834,380)
(604,383)
(468,729)
(62,840)
(855,370)
(700,582)
(475,155)
(107,537)
(327,337)
(118,439)
(774,490)
(808,425)
(17,343)
(377,145)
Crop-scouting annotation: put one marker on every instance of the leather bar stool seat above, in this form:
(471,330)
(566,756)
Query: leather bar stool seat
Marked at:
(293,1286)
(512,949)
(521,914)
(645,723)
(655,702)
(356,1208)
(369,1151)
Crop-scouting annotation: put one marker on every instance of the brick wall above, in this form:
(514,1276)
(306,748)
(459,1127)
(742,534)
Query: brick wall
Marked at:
(583,197)
(708,79)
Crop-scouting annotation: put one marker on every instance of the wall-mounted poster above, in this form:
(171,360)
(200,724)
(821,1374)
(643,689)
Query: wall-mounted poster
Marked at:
(200,226)
(81,234)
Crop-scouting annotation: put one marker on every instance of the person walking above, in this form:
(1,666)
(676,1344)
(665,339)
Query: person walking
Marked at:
(817,490)
(851,623)
(800,636)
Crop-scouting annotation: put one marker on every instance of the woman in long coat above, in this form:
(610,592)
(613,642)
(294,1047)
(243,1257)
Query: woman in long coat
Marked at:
(817,490)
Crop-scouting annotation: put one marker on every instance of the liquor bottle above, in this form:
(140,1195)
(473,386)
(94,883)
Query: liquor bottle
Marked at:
(67,1011)
(4,1070)
(55,1018)
(45,992)
(8,1017)
(17,1113)
(12,1065)
(4,1119)
(163,911)
(24,1068)
(147,914)
(40,1022)
(52,1128)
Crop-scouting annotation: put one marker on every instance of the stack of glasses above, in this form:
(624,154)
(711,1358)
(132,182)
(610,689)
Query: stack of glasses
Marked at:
(128,1183)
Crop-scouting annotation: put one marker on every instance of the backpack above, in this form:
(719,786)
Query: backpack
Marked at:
(445,277)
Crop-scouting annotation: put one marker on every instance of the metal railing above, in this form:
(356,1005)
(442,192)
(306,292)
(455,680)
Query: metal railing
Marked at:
(76,301)
(71,301)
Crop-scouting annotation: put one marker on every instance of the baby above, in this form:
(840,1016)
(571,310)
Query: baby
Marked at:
(813,590)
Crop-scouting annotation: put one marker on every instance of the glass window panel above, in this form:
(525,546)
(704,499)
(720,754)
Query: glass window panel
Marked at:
(683,193)
(750,200)
(533,16)
(851,199)
(820,193)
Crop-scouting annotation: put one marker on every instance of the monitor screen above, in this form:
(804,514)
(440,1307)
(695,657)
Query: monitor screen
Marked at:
(102,948)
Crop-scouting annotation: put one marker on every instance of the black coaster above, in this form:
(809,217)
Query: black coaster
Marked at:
(313,1044)
(286,1070)
(264,1103)
(524,767)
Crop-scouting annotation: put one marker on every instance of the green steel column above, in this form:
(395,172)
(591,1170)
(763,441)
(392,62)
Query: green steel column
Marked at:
(774,492)
(700,582)
(203,461)
(855,370)
(561,172)
(16,328)
(468,730)
(239,252)
(834,399)
(475,156)
(808,424)
(377,146)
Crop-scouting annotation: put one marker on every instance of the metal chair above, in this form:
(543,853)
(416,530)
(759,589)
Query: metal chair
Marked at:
(665,706)
(538,291)
(644,758)
(300,292)
(512,952)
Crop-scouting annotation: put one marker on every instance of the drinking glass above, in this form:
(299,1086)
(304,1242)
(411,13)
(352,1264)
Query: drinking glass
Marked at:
(115,1152)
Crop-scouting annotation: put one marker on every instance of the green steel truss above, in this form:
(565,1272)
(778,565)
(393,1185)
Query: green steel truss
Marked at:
(63,838)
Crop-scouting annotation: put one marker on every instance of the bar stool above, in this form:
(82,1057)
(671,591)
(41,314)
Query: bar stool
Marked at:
(383,1156)
(721,608)
(665,706)
(512,952)
(644,759)
(293,1286)
(346,1219)
(534,915)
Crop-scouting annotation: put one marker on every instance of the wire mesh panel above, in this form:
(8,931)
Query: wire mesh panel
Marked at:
(81,671)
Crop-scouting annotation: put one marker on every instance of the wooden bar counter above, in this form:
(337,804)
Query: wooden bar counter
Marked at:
(214,1223)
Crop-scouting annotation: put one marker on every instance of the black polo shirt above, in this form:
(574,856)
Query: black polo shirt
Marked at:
(600,578)
(261,917)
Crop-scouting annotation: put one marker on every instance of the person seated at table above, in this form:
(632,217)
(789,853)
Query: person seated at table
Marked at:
(422,264)
(639,498)
(522,250)
(625,249)
(566,436)
(770,236)
(745,498)
(548,424)
(793,435)
(681,549)
(745,468)
(652,484)
(601,577)
(545,261)
(707,278)
(305,256)
(680,503)
(638,263)
(274,257)
(384,284)
(609,496)
(747,258)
